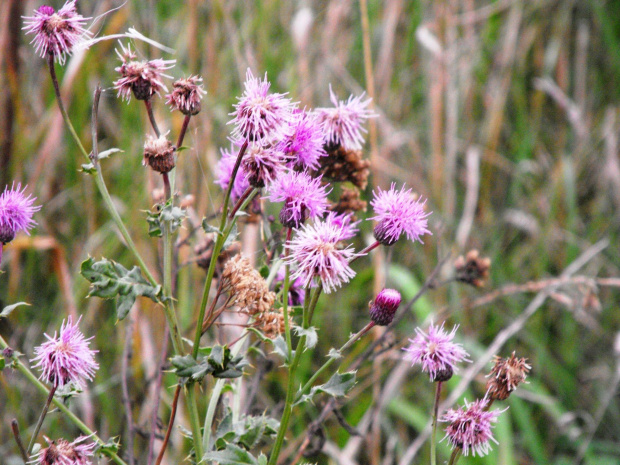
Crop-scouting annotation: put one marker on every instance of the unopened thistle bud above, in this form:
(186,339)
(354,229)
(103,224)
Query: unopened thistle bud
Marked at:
(383,309)
(506,375)
(472,269)
(159,154)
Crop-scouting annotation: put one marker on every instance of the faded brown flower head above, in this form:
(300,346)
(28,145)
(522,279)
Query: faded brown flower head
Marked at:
(341,165)
(159,154)
(506,375)
(472,269)
(349,202)
(186,95)
(271,324)
(247,288)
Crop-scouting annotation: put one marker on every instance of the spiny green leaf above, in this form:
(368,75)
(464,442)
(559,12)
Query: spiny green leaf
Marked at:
(337,386)
(109,280)
(6,311)
(208,228)
(89,168)
(166,214)
(232,455)
(311,336)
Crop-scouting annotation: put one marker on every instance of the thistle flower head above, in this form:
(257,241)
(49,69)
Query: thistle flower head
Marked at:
(384,307)
(344,223)
(506,375)
(159,154)
(303,196)
(16,211)
(398,212)
(259,116)
(316,251)
(304,145)
(186,95)
(224,172)
(436,352)
(66,358)
(143,78)
(262,165)
(343,123)
(56,32)
(63,452)
(472,269)
(247,288)
(469,428)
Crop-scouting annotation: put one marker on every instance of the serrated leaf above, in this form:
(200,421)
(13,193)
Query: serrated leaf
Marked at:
(338,385)
(334,353)
(232,455)
(208,228)
(218,362)
(311,336)
(167,214)
(110,447)
(6,311)
(110,280)
(280,347)
(89,168)
(234,233)
(262,459)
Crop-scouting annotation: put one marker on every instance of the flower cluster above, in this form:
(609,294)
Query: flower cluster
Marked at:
(66,358)
(56,33)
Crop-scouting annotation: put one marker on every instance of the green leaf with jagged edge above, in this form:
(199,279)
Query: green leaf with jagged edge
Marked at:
(232,237)
(110,280)
(89,168)
(217,361)
(337,386)
(280,348)
(111,447)
(6,311)
(311,336)
(232,455)
(166,214)
(208,228)
(247,432)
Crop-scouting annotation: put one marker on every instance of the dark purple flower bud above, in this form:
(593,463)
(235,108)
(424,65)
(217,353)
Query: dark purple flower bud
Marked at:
(383,309)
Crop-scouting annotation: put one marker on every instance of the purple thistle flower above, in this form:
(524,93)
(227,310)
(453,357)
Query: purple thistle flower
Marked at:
(304,197)
(343,221)
(143,78)
(262,165)
(67,358)
(224,172)
(56,33)
(436,352)
(316,252)
(259,116)
(343,124)
(16,210)
(384,307)
(398,212)
(63,452)
(304,145)
(470,427)
(186,95)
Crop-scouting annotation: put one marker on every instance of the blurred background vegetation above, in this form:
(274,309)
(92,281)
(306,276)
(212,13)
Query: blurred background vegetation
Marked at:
(504,114)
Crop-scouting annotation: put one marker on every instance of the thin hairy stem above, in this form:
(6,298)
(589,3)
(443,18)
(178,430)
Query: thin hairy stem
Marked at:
(434,434)
(287,278)
(149,109)
(173,414)
(37,427)
(192,405)
(125,390)
(249,191)
(183,130)
(158,384)
(365,251)
(18,440)
(456,455)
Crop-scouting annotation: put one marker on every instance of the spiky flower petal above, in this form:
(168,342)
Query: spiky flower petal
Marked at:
(63,452)
(142,78)
(66,358)
(469,428)
(56,32)
(343,221)
(263,164)
(436,352)
(186,95)
(303,196)
(316,251)
(398,212)
(304,145)
(224,172)
(506,375)
(343,123)
(259,116)
(16,211)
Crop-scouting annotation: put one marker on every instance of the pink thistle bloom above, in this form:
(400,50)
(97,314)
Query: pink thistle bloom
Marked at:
(304,146)
(436,352)
(16,211)
(469,428)
(56,33)
(343,221)
(259,116)
(343,124)
(186,95)
(316,252)
(63,452)
(143,78)
(304,197)
(384,307)
(67,358)
(224,172)
(398,212)
(262,165)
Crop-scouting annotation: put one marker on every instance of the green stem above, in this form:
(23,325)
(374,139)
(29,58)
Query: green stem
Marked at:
(37,427)
(456,454)
(217,248)
(434,433)
(287,273)
(193,419)
(62,407)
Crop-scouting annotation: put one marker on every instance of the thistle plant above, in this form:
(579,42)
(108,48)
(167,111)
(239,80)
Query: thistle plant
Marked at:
(280,158)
